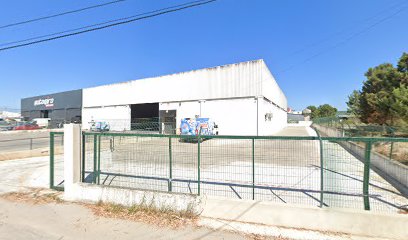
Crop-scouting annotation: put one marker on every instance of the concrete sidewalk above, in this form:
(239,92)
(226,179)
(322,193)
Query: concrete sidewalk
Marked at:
(22,221)
(297,131)
(19,174)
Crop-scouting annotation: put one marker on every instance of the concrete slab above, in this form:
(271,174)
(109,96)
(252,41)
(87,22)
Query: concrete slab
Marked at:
(16,175)
(293,131)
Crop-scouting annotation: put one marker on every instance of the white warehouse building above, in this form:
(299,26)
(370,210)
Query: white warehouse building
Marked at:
(242,99)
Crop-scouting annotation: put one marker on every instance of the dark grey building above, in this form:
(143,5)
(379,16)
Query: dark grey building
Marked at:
(59,107)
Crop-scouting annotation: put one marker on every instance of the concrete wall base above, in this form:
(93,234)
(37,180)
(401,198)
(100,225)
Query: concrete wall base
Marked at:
(353,222)
(129,197)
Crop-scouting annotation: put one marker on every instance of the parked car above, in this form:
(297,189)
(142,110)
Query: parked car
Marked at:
(27,126)
(5,126)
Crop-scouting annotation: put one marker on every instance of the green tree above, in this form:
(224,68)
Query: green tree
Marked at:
(403,63)
(400,104)
(313,109)
(382,99)
(353,103)
(377,94)
(326,110)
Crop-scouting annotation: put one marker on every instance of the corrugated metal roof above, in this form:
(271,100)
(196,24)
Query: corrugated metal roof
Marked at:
(245,79)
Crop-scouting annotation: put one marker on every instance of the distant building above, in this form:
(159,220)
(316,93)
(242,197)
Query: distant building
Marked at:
(296,116)
(7,114)
(60,107)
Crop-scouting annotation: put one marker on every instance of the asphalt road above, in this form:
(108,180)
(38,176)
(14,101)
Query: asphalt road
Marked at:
(28,140)
(25,140)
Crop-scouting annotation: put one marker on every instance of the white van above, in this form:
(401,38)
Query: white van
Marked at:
(42,122)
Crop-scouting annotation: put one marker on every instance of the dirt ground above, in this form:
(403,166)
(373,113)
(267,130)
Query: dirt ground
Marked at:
(28,220)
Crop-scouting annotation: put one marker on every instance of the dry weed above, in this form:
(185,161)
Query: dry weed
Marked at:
(34,196)
(144,213)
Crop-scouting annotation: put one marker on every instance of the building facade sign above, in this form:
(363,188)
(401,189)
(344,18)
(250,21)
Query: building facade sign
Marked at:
(47,102)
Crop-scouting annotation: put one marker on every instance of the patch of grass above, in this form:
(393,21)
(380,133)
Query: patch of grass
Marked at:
(146,212)
(34,196)
(261,237)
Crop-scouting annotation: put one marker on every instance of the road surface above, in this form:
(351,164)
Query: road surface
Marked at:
(25,140)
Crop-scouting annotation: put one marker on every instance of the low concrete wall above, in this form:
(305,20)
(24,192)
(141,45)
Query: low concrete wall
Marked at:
(40,152)
(354,222)
(24,154)
(361,223)
(392,171)
(129,197)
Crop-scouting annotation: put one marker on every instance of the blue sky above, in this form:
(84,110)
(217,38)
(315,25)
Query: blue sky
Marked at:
(286,34)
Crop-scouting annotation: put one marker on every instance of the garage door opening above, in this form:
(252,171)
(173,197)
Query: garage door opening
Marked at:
(145,117)
(168,123)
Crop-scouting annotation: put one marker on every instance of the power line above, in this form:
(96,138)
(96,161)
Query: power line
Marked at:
(347,39)
(59,14)
(341,32)
(97,24)
(131,19)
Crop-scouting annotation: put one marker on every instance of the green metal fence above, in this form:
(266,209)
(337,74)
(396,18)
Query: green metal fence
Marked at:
(353,127)
(57,160)
(316,171)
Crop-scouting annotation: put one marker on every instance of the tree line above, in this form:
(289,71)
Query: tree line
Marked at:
(325,110)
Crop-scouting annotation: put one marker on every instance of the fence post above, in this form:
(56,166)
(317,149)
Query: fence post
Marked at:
(99,159)
(366,180)
(83,158)
(253,168)
(31,144)
(72,158)
(170,166)
(51,160)
(95,145)
(392,147)
(199,165)
(321,167)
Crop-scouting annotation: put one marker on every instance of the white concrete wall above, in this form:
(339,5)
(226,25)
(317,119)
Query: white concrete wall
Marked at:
(118,117)
(368,224)
(276,123)
(233,116)
(129,197)
(271,89)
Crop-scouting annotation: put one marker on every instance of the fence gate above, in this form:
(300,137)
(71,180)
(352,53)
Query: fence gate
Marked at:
(57,160)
